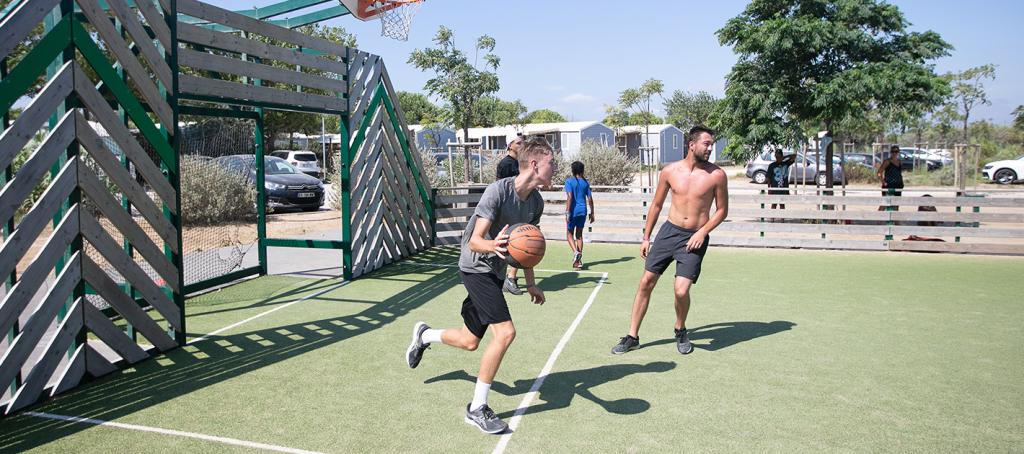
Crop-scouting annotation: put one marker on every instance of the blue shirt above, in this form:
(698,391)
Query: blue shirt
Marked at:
(579,188)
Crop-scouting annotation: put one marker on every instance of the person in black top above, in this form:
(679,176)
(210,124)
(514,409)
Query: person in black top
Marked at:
(509,167)
(778,176)
(891,173)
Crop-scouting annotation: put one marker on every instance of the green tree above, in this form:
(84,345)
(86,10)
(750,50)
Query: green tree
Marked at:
(418,109)
(455,80)
(615,117)
(1018,120)
(969,92)
(644,118)
(639,101)
(493,111)
(544,116)
(685,109)
(821,63)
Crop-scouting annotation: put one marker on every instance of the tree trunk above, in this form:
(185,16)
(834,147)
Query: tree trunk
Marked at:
(465,150)
(967,114)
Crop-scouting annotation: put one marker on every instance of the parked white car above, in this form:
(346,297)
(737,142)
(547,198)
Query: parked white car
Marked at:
(1006,171)
(303,160)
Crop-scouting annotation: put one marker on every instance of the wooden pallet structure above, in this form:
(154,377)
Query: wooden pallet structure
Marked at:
(391,212)
(103,229)
(104,70)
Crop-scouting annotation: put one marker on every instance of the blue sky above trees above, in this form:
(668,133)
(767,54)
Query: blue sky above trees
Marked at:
(575,57)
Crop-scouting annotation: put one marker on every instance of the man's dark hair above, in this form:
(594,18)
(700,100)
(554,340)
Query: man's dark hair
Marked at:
(695,133)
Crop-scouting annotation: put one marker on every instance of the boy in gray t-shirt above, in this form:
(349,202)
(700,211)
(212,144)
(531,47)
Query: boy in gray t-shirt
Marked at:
(503,207)
(482,267)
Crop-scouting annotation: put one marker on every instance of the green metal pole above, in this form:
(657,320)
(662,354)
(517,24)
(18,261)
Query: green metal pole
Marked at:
(890,208)
(346,198)
(762,218)
(171,94)
(261,195)
(345,164)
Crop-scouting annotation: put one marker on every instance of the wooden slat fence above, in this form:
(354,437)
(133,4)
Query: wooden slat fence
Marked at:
(260,64)
(982,223)
(390,213)
(101,196)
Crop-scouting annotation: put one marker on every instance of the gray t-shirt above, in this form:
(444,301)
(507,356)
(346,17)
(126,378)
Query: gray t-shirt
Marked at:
(502,206)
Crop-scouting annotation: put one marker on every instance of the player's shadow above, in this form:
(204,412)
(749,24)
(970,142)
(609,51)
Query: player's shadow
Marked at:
(721,335)
(560,388)
(562,281)
(589,265)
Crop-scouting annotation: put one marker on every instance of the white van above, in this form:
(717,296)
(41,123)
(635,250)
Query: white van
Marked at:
(303,160)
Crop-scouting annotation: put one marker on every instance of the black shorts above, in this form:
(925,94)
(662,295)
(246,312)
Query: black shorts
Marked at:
(670,244)
(485,303)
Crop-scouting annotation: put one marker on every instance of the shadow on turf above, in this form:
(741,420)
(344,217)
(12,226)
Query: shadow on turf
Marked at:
(560,388)
(220,358)
(589,265)
(721,335)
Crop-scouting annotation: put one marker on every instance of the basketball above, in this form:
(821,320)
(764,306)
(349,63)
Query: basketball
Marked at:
(525,246)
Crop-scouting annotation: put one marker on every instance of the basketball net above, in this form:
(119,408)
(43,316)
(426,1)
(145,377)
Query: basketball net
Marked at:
(396,17)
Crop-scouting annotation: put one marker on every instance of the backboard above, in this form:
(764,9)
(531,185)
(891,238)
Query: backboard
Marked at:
(368,9)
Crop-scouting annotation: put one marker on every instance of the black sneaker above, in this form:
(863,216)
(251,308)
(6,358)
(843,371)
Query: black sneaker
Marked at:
(626,344)
(414,353)
(512,287)
(683,342)
(485,420)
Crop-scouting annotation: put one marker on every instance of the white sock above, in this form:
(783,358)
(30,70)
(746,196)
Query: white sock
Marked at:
(431,336)
(479,395)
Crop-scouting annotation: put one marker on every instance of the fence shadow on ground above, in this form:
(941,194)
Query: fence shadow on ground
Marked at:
(217,359)
(721,335)
(560,388)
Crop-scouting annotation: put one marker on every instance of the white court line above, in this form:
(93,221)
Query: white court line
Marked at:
(528,398)
(225,440)
(254,317)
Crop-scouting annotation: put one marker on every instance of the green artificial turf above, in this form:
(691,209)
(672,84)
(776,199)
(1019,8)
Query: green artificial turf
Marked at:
(795,351)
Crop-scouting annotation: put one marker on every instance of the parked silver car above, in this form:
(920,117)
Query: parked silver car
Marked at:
(806,169)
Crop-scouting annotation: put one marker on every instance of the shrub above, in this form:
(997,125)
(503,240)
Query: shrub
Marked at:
(603,165)
(335,182)
(855,173)
(211,194)
(944,176)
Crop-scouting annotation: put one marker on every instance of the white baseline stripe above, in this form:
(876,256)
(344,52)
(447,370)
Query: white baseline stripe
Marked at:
(254,317)
(528,398)
(225,440)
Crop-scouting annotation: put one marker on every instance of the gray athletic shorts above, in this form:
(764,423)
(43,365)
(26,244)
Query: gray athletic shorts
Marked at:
(670,244)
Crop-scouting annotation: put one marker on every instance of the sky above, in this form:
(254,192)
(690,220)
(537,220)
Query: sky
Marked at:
(575,57)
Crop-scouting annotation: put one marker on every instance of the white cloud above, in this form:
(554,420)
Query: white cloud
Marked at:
(579,98)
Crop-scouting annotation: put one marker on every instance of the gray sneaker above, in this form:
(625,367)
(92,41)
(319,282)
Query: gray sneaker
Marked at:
(626,344)
(485,420)
(683,342)
(414,353)
(512,287)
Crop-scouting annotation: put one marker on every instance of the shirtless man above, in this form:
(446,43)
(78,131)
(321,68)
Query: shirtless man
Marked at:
(694,182)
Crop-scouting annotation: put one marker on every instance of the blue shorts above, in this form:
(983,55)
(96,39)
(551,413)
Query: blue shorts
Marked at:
(576,222)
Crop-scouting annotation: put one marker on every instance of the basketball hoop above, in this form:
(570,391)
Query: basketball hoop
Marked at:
(396,17)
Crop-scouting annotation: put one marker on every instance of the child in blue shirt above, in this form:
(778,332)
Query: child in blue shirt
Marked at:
(578,196)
